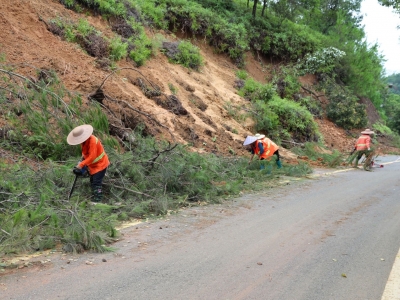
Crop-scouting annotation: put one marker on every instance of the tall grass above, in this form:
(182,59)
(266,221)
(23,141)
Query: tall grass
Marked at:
(146,177)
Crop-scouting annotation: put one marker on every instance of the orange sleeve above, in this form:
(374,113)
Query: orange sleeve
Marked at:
(368,141)
(89,152)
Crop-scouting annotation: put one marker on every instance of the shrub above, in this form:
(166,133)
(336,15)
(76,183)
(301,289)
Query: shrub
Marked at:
(118,49)
(322,61)
(382,129)
(184,53)
(295,119)
(317,152)
(343,108)
(286,82)
(254,90)
(290,41)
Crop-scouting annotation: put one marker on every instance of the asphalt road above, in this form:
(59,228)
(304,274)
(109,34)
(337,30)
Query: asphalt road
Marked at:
(332,237)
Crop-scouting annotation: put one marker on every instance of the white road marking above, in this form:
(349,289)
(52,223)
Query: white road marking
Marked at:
(349,169)
(392,289)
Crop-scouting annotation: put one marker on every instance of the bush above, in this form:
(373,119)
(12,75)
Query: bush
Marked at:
(295,119)
(343,108)
(184,53)
(322,61)
(291,41)
(254,90)
(317,152)
(118,49)
(286,82)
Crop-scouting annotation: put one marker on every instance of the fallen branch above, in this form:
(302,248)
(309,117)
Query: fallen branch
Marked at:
(67,109)
(125,68)
(311,92)
(142,113)
(132,191)
(5,232)
(294,143)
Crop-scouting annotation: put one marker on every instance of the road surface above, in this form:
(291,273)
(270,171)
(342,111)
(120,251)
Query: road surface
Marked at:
(334,236)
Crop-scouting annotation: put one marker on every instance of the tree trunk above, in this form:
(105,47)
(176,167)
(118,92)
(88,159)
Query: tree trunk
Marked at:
(255,8)
(263,9)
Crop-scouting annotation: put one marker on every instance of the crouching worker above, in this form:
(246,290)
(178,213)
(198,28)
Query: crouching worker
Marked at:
(363,146)
(263,147)
(93,157)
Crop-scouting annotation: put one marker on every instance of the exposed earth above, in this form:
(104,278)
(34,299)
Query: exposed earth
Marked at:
(198,115)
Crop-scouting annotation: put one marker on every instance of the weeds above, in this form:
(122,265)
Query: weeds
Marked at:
(317,152)
(149,178)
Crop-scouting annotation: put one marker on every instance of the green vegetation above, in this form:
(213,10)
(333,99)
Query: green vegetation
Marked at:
(147,177)
(317,152)
(184,53)
(315,38)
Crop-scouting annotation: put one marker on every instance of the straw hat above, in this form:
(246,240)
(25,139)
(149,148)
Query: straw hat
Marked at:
(249,140)
(367,131)
(259,136)
(79,134)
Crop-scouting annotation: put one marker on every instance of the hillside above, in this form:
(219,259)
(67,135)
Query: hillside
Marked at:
(173,134)
(204,121)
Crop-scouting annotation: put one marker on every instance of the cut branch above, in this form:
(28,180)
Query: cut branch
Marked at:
(311,92)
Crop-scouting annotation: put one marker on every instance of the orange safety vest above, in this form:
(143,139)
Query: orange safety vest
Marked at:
(363,142)
(269,148)
(94,156)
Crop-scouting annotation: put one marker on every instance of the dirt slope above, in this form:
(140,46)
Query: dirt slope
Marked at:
(203,121)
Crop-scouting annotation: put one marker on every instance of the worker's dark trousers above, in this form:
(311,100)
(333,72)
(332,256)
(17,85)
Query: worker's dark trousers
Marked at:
(360,153)
(96,181)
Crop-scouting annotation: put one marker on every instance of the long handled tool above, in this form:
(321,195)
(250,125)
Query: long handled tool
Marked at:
(73,186)
(78,173)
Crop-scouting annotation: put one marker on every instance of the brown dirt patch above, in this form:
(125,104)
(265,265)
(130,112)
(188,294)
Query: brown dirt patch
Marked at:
(193,114)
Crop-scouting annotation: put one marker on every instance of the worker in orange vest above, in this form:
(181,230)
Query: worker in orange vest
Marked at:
(263,147)
(363,145)
(94,158)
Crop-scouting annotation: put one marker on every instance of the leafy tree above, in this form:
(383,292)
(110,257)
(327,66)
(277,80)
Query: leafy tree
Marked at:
(394,83)
(395,4)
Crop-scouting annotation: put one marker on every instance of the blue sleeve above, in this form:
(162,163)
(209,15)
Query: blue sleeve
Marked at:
(260,146)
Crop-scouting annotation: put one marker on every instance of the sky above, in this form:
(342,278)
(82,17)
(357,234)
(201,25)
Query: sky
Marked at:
(380,25)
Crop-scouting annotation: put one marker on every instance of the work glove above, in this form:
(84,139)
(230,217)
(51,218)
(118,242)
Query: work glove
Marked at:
(80,172)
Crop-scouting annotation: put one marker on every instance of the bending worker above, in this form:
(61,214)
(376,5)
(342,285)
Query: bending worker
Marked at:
(263,147)
(363,145)
(94,158)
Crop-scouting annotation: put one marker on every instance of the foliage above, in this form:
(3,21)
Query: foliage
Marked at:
(106,7)
(118,49)
(394,82)
(322,61)
(317,152)
(291,41)
(254,90)
(312,105)
(395,4)
(150,179)
(34,209)
(41,106)
(140,46)
(343,108)
(295,119)
(287,83)
(184,53)
(284,119)
(391,109)
(380,128)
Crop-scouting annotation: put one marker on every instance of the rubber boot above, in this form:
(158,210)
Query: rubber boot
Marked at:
(279,164)
(269,169)
(97,193)
(262,167)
